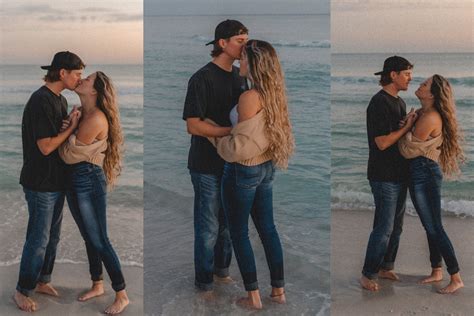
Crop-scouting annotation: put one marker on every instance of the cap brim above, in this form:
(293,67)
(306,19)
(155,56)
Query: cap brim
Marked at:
(378,73)
(46,67)
(211,42)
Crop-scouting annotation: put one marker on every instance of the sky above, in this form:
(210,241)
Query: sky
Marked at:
(232,7)
(100,32)
(428,26)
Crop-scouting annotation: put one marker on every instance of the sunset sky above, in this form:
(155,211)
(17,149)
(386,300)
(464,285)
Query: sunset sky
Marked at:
(102,31)
(361,26)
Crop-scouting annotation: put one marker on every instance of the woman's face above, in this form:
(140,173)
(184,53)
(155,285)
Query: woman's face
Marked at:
(86,86)
(424,91)
(244,64)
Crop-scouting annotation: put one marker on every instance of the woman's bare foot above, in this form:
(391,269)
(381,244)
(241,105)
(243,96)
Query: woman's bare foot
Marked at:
(436,276)
(224,280)
(278,295)
(455,284)
(388,274)
(97,289)
(24,302)
(46,288)
(252,301)
(368,284)
(121,301)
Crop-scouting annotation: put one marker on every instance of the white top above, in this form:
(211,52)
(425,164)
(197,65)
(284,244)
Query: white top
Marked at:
(234,116)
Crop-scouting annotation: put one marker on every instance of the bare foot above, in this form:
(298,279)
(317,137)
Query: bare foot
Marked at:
(436,276)
(278,295)
(246,302)
(121,301)
(368,284)
(46,288)
(388,274)
(97,289)
(224,280)
(24,302)
(455,284)
(207,295)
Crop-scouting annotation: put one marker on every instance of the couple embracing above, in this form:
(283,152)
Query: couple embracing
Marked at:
(240,134)
(410,152)
(73,156)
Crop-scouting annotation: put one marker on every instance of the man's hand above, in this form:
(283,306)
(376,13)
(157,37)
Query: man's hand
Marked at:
(67,121)
(403,121)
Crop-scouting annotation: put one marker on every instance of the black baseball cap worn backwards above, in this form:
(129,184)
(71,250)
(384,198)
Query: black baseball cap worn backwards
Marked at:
(394,63)
(65,60)
(227,29)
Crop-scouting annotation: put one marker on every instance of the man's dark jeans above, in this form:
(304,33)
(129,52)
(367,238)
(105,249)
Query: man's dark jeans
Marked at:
(384,239)
(42,236)
(212,245)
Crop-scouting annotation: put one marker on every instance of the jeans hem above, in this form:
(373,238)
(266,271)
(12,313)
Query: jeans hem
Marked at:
(25,292)
(278,283)
(453,270)
(204,286)
(221,272)
(251,286)
(387,266)
(436,265)
(44,278)
(97,278)
(118,287)
(370,276)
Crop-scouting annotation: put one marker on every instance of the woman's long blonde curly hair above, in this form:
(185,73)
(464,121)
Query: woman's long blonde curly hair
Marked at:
(267,79)
(107,103)
(452,154)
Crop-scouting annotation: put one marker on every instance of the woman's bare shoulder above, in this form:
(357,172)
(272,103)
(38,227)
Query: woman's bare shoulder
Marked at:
(249,104)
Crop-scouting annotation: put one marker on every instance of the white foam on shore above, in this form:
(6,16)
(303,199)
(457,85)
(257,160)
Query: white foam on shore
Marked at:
(351,200)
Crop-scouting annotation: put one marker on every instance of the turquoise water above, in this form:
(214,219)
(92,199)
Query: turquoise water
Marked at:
(353,85)
(125,208)
(301,194)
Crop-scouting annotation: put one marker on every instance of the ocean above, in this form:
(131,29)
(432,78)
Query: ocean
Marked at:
(125,203)
(352,86)
(174,50)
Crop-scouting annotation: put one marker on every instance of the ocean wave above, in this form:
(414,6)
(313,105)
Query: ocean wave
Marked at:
(280,43)
(459,81)
(352,200)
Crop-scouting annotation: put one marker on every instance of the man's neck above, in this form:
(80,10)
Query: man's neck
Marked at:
(224,62)
(56,87)
(390,89)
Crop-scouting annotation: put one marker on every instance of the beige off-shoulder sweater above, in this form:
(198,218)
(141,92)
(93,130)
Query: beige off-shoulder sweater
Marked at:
(73,151)
(412,147)
(247,143)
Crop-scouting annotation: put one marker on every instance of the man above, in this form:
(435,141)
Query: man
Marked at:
(212,92)
(43,175)
(387,170)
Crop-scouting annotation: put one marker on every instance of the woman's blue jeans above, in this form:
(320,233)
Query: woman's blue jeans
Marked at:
(247,191)
(87,201)
(425,192)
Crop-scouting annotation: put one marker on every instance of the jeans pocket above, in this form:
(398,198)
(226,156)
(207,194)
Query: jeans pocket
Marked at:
(247,176)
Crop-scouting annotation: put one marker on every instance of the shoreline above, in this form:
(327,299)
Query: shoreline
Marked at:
(350,231)
(70,280)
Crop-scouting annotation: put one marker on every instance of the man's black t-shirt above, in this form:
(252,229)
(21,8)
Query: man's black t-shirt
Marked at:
(212,92)
(383,115)
(42,118)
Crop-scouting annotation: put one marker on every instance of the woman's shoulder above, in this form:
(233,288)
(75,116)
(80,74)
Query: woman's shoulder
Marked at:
(431,118)
(249,104)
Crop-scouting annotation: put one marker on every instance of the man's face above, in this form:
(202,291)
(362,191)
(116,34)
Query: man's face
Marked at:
(71,78)
(233,46)
(401,79)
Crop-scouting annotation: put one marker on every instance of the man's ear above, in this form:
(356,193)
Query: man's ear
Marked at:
(222,43)
(62,73)
(393,74)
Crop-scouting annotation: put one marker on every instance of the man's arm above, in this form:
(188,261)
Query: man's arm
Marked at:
(385,141)
(49,144)
(196,126)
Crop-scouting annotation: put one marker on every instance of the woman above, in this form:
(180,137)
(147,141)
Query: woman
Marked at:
(261,139)
(433,142)
(94,155)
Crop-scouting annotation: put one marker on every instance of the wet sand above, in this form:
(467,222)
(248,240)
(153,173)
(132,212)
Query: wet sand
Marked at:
(70,280)
(349,235)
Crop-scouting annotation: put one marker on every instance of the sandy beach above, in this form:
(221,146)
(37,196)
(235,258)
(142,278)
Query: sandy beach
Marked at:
(70,280)
(349,235)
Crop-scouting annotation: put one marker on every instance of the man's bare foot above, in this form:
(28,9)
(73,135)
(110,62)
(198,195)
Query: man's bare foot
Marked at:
(46,288)
(455,284)
(368,284)
(97,289)
(24,302)
(436,276)
(224,280)
(252,301)
(278,295)
(207,295)
(388,274)
(121,301)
